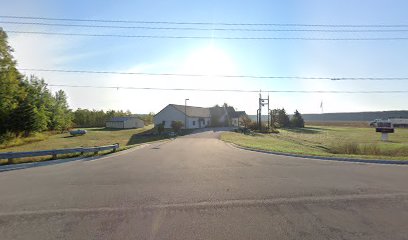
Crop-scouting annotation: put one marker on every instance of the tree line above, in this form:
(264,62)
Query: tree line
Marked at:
(278,119)
(27,105)
(98,118)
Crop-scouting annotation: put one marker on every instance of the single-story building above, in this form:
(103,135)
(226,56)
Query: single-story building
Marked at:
(124,122)
(197,117)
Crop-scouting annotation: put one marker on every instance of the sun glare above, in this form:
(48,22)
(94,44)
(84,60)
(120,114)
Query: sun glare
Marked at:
(209,61)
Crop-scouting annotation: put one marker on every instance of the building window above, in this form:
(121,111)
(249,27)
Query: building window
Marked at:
(164,123)
(193,123)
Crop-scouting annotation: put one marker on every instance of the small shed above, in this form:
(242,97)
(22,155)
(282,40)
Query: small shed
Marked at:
(124,123)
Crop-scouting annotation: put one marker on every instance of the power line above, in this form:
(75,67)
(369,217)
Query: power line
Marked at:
(206,75)
(230,90)
(205,29)
(210,37)
(210,23)
(371,79)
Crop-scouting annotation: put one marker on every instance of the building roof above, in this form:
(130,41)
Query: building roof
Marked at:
(229,111)
(120,119)
(218,111)
(238,114)
(193,111)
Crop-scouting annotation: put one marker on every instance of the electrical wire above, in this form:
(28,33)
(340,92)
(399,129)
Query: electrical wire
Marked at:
(210,37)
(206,29)
(209,23)
(217,76)
(231,90)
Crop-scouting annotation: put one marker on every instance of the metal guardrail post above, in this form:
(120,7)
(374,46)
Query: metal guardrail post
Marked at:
(96,151)
(116,147)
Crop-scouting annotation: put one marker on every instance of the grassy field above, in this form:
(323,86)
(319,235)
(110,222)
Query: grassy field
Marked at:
(362,124)
(94,137)
(334,141)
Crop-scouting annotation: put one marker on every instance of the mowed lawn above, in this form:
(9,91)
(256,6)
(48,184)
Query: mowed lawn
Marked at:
(335,141)
(94,137)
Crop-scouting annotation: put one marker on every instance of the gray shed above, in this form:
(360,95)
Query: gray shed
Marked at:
(124,122)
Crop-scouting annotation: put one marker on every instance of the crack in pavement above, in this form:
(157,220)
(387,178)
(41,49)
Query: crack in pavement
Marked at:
(239,203)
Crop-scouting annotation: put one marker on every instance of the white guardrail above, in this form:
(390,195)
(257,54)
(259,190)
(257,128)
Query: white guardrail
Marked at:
(12,155)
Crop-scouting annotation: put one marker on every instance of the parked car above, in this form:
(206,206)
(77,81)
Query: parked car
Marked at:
(171,134)
(78,132)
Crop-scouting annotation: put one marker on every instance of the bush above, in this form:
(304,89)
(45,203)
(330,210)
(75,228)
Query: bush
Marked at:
(252,126)
(177,125)
(6,137)
(160,128)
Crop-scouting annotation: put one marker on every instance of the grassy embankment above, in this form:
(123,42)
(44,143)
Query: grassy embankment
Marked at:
(329,141)
(95,137)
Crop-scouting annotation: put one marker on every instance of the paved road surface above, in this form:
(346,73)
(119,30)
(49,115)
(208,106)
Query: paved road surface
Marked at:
(197,187)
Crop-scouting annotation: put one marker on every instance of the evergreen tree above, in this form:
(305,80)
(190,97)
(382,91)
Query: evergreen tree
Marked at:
(283,118)
(297,120)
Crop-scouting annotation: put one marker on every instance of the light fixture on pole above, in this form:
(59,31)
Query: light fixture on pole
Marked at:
(185,113)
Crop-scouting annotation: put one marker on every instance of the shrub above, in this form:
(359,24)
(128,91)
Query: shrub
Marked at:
(160,128)
(177,125)
(252,126)
(297,120)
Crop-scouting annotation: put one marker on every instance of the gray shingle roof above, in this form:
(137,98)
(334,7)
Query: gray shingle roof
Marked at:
(193,111)
(238,114)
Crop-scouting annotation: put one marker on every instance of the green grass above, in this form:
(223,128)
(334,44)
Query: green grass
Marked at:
(94,137)
(13,141)
(333,141)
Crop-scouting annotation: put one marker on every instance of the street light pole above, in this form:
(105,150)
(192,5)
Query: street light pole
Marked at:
(185,113)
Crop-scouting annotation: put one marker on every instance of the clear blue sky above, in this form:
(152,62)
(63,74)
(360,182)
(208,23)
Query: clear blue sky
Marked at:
(236,57)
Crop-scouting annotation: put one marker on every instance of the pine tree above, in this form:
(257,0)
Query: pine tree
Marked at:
(297,120)
(283,118)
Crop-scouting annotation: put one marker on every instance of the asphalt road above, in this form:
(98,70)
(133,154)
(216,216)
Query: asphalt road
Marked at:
(198,187)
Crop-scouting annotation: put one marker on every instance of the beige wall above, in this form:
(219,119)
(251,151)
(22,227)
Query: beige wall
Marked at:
(191,120)
(114,124)
(130,123)
(170,114)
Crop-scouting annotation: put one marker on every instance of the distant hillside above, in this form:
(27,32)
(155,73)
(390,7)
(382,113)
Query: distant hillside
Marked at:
(355,116)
